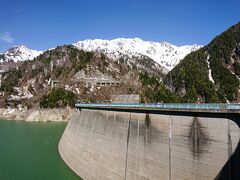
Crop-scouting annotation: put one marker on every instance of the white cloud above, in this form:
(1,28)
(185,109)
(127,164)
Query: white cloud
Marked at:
(7,37)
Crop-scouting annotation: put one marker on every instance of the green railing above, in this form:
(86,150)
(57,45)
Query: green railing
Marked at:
(164,106)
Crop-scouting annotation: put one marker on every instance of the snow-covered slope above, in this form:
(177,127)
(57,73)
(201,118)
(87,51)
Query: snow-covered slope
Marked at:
(19,53)
(164,53)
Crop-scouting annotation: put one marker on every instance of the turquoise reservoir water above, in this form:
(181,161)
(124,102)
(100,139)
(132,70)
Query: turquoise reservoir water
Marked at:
(28,151)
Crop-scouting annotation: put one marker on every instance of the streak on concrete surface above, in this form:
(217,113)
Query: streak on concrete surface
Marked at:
(124,145)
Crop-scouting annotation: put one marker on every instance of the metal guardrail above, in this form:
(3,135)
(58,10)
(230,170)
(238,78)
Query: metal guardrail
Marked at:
(164,106)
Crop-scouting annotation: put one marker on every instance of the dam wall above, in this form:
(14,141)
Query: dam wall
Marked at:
(123,145)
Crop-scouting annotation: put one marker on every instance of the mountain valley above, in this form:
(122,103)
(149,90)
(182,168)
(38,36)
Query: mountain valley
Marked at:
(96,70)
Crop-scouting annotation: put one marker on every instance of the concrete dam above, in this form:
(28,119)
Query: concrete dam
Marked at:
(101,144)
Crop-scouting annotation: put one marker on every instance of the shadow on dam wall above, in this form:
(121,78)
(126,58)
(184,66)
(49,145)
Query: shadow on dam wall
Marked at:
(123,145)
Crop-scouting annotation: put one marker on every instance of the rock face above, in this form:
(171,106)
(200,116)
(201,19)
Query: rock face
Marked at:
(62,115)
(51,115)
(119,145)
(91,76)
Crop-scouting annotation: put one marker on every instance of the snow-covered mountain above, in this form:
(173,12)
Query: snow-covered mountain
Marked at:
(19,53)
(164,53)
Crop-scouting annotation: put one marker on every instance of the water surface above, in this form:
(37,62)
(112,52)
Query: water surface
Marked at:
(29,151)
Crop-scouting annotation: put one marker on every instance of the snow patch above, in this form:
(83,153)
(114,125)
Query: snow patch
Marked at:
(77,89)
(210,70)
(23,93)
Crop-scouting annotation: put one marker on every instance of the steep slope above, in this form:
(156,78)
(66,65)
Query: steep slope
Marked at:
(165,54)
(19,53)
(210,74)
(57,76)
(152,57)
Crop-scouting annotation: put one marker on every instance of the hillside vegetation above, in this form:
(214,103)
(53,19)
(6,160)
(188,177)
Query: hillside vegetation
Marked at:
(57,77)
(219,60)
(52,79)
(58,98)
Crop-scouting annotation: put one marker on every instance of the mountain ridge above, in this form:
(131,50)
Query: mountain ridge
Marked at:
(163,53)
(19,53)
(210,74)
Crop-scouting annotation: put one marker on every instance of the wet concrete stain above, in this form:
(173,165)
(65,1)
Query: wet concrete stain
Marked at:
(147,120)
(198,138)
(146,131)
(150,133)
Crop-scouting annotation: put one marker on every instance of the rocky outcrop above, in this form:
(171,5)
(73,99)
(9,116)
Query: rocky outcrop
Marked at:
(37,114)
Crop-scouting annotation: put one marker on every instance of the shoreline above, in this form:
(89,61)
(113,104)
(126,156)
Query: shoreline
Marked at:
(37,115)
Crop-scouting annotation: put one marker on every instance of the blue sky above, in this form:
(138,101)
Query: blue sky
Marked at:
(42,24)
